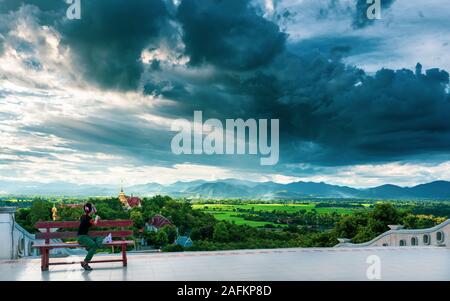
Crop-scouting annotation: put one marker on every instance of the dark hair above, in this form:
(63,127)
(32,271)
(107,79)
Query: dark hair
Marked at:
(87,208)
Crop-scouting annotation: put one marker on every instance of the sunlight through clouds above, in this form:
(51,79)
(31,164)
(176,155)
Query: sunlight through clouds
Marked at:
(80,103)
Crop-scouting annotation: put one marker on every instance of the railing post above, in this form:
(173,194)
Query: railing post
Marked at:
(47,251)
(124,254)
(47,240)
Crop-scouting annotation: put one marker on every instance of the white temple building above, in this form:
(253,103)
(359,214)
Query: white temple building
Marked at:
(399,237)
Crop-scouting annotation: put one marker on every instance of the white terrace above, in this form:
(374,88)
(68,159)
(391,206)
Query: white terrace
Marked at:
(396,263)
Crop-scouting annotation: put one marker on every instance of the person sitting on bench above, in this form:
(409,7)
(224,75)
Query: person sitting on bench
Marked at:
(91,243)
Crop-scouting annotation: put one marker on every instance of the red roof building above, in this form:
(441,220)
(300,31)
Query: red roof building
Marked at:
(157,222)
(129,202)
(134,201)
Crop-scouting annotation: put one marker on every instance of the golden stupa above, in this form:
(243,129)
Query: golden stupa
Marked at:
(54,213)
(123,198)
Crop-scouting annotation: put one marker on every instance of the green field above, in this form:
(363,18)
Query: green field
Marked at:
(229,212)
(291,208)
(232,217)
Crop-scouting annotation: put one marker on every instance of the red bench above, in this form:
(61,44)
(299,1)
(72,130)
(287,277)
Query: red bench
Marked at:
(45,247)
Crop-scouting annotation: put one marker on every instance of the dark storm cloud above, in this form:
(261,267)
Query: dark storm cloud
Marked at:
(5,21)
(108,40)
(360,19)
(357,8)
(390,116)
(43,5)
(330,113)
(333,115)
(2,46)
(336,47)
(217,95)
(47,11)
(110,37)
(229,34)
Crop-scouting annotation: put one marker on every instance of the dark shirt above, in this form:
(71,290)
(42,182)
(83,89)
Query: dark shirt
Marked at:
(85,224)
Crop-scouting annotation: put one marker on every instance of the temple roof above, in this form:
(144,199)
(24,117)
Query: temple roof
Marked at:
(159,221)
(133,201)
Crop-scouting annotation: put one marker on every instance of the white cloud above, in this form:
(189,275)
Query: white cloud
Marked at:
(370,175)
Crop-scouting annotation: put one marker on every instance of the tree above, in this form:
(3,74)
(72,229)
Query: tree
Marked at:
(24,219)
(385,214)
(421,221)
(221,233)
(137,218)
(161,238)
(67,213)
(171,232)
(366,225)
(364,234)
(150,237)
(202,232)
(41,210)
(350,225)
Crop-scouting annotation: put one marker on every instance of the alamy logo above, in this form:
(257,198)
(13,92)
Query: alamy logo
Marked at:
(374,270)
(74,10)
(209,137)
(374,10)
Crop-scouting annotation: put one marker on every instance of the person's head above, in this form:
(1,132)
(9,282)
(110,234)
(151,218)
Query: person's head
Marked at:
(89,209)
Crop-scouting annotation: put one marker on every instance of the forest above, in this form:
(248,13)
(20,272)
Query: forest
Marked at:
(305,224)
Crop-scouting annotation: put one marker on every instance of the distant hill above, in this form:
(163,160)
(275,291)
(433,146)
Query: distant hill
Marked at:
(433,190)
(219,190)
(233,188)
(149,188)
(321,189)
(437,189)
(385,191)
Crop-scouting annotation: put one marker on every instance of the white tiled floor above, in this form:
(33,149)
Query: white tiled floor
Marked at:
(279,264)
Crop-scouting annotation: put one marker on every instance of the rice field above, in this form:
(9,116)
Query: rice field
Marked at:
(230,213)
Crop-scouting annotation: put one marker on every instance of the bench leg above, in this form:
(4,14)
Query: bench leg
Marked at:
(47,257)
(44,259)
(124,255)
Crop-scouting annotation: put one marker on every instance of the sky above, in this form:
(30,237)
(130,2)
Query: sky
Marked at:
(360,102)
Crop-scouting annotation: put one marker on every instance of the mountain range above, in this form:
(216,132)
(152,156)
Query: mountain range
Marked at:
(232,188)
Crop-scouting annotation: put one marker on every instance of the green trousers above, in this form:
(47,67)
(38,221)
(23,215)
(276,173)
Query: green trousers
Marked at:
(92,244)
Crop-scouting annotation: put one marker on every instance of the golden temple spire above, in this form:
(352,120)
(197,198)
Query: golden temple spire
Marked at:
(54,212)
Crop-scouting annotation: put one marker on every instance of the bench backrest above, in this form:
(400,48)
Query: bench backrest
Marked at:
(119,231)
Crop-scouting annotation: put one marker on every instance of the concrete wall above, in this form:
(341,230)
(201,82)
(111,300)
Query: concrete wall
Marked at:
(23,241)
(402,237)
(6,230)
(15,241)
